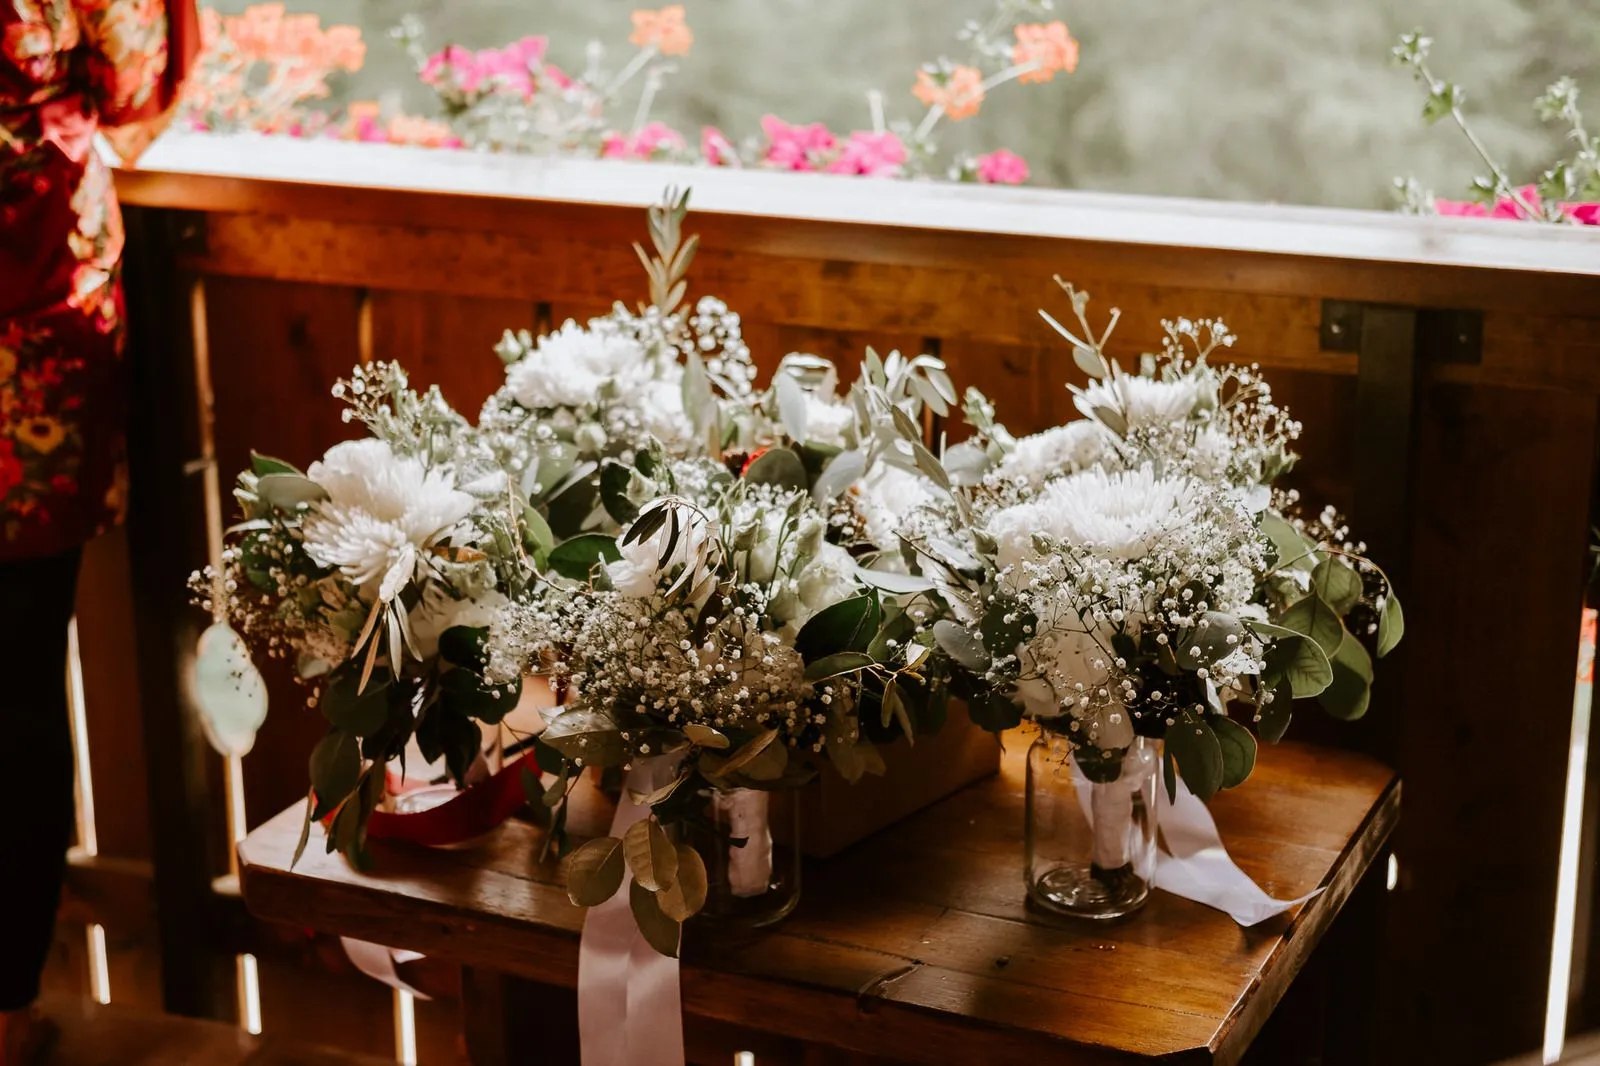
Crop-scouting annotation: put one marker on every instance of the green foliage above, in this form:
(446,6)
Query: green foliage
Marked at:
(578,557)
(1193,744)
(335,767)
(595,872)
(780,467)
(846,626)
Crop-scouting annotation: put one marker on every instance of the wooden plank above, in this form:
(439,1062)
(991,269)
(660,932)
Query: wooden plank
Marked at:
(447,341)
(943,946)
(1497,572)
(164,523)
(109,656)
(276,350)
(328,179)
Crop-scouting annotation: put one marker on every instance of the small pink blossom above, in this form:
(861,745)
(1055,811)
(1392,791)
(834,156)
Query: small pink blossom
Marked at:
(1002,167)
(1584,214)
(716,149)
(875,155)
(795,147)
(654,139)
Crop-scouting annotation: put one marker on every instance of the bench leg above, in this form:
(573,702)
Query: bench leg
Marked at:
(511,1021)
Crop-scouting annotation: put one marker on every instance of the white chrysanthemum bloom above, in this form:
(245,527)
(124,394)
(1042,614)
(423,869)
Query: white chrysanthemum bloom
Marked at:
(828,420)
(885,497)
(382,510)
(567,366)
(825,580)
(659,401)
(1061,450)
(1054,666)
(1121,515)
(438,611)
(1144,401)
(1211,453)
(642,570)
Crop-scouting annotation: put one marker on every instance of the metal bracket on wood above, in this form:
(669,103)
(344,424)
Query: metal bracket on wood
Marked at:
(1442,335)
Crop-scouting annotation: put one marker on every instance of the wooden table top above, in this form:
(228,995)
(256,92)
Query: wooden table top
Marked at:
(917,939)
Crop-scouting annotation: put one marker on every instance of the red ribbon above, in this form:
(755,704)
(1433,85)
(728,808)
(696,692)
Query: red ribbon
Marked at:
(471,813)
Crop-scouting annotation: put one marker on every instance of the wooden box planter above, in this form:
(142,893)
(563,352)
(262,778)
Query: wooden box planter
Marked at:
(835,814)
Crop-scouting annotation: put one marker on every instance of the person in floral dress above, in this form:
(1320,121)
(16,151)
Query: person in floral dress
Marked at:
(67,69)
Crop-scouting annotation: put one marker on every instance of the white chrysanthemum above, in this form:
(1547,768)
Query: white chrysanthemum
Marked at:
(1121,515)
(438,611)
(828,420)
(1144,401)
(642,570)
(885,497)
(825,580)
(1062,450)
(381,510)
(568,366)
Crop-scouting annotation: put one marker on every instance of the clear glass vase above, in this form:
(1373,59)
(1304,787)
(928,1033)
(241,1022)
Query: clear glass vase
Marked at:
(752,874)
(1090,838)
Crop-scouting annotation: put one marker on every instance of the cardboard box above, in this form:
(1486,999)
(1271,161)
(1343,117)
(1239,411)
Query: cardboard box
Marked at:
(835,814)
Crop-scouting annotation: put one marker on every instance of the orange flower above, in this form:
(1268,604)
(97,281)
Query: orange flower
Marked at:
(665,30)
(344,48)
(959,93)
(1047,45)
(8,364)
(43,435)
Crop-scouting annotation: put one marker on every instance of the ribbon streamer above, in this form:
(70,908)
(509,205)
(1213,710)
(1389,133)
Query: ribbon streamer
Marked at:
(1196,866)
(1193,862)
(379,963)
(630,1010)
(470,813)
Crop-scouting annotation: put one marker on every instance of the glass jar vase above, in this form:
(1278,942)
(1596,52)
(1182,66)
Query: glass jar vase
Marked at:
(1090,837)
(752,873)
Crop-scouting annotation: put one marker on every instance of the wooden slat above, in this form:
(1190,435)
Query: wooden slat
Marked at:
(927,924)
(1486,690)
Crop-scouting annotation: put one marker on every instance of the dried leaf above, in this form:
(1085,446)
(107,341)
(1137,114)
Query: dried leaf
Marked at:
(595,873)
(683,899)
(650,855)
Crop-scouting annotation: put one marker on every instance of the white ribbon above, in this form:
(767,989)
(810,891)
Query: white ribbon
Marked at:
(1193,863)
(379,963)
(745,812)
(630,1010)
(1196,866)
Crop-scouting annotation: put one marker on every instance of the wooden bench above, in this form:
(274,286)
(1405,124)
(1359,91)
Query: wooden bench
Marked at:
(912,946)
(92,1034)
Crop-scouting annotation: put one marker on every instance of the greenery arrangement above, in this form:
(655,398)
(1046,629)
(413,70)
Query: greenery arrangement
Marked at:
(1568,191)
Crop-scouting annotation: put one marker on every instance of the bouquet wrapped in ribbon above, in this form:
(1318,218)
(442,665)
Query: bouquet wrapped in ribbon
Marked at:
(1133,577)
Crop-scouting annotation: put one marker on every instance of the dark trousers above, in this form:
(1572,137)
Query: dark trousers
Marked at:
(36,602)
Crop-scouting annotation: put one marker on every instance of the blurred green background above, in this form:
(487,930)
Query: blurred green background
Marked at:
(1270,100)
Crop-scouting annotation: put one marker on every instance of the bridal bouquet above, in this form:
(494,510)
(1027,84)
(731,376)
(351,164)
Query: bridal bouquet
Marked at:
(1134,574)
(376,571)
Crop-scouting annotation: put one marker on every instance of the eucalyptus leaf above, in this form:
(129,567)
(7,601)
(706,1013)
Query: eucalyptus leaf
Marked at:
(1300,661)
(286,492)
(843,662)
(848,625)
(749,751)
(842,471)
(961,645)
(1337,583)
(683,899)
(1350,691)
(650,855)
(777,466)
(1193,743)
(335,768)
(793,407)
(1089,362)
(1313,617)
(348,706)
(966,463)
(894,582)
(576,558)
(595,872)
(995,712)
(1391,624)
(659,930)
(1238,750)
(1292,548)
(705,736)
(587,735)
(263,465)
(1273,718)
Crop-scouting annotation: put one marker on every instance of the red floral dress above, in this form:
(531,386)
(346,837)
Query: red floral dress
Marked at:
(68,67)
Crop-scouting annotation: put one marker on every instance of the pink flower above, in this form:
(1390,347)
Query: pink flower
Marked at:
(876,155)
(1460,208)
(1584,214)
(1508,207)
(654,139)
(1002,167)
(716,149)
(795,147)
